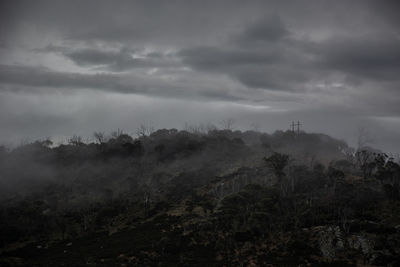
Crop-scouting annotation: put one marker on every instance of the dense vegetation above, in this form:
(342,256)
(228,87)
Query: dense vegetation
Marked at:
(180,198)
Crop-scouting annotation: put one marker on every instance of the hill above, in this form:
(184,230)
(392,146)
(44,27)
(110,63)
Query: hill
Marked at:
(179,198)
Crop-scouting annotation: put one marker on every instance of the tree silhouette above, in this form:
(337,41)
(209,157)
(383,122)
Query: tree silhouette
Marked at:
(277,162)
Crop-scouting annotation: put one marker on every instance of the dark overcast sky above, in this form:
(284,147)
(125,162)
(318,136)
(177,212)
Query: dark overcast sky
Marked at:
(74,67)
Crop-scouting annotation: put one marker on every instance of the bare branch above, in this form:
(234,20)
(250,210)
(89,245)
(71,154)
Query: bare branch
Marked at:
(227,124)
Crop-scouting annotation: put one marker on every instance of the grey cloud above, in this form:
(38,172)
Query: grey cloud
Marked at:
(30,78)
(215,58)
(285,62)
(50,48)
(264,55)
(95,57)
(273,78)
(113,60)
(265,69)
(267,29)
(387,11)
(173,23)
(43,77)
(370,56)
(120,60)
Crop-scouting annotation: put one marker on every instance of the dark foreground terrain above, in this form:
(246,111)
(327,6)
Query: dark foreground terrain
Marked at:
(179,198)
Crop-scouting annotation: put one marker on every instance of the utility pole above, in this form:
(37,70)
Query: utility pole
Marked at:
(295,127)
(298,127)
(292,126)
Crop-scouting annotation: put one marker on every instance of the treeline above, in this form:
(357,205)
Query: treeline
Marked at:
(77,175)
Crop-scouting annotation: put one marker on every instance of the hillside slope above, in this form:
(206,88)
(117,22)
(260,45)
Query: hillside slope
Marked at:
(175,198)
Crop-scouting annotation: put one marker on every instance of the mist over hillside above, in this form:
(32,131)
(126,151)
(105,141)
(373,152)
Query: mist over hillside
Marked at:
(166,150)
(194,197)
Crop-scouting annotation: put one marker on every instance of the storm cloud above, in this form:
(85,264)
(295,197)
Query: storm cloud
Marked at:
(334,65)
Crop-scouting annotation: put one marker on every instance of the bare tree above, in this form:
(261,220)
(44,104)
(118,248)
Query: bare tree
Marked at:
(349,153)
(117,133)
(188,127)
(365,162)
(100,137)
(195,128)
(200,129)
(144,130)
(75,140)
(227,124)
(209,127)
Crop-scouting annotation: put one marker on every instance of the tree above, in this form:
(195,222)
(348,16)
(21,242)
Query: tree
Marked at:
(44,143)
(200,129)
(144,130)
(349,153)
(365,162)
(277,162)
(117,133)
(227,124)
(100,137)
(388,173)
(75,140)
